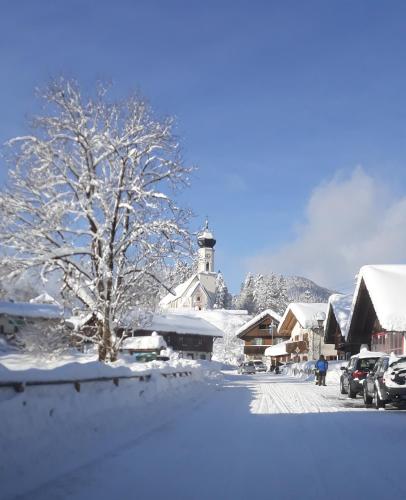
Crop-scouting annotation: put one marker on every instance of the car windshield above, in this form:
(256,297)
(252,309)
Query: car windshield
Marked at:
(400,361)
(258,363)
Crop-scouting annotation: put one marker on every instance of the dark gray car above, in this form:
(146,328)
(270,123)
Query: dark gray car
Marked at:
(386,383)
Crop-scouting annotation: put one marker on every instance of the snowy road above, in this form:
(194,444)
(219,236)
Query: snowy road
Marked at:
(261,436)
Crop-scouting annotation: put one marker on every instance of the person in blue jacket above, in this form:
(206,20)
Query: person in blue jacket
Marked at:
(321,370)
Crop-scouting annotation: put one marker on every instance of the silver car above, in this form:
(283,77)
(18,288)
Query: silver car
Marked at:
(247,367)
(259,366)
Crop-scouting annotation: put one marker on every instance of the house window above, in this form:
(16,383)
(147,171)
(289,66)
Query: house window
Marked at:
(257,341)
(207,266)
(198,298)
(202,356)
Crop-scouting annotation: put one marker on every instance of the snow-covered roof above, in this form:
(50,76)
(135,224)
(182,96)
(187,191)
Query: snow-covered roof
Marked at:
(386,285)
(153,341)
(277,349)
(308,314)
(29,310)
(44,298)
(79,321)
(257,318)
(365,353)
(183,323)
(178,292)
(341,307)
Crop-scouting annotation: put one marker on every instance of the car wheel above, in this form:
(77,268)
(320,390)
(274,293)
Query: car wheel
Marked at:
(351,394)
(378,403)
(342,388)
(367,399)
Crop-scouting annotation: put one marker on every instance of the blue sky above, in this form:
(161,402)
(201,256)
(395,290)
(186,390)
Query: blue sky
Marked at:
(284,106)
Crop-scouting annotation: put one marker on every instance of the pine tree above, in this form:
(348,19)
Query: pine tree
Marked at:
(223,298)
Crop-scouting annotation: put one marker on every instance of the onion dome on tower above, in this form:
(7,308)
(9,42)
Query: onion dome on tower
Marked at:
(205,238)
(206,242)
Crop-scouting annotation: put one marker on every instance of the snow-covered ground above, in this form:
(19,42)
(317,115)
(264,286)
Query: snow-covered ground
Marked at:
(260,436)
(49,430)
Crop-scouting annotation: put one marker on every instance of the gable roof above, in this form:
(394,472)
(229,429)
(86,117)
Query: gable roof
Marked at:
(257,319)
(178,291)
(186,289)
(340,306)
(31,310)
(308,314)
(386,286)
(183,324)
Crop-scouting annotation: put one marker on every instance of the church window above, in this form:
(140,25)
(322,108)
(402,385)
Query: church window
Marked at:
(207,266)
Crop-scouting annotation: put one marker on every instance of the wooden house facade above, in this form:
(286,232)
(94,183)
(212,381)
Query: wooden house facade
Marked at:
(302,324)
(259,333)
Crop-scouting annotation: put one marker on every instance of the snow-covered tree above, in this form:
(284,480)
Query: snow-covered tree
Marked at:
(44,338)
(91,197)
(245,300)
(223,298)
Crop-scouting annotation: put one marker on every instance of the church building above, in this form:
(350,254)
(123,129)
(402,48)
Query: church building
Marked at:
(199,291)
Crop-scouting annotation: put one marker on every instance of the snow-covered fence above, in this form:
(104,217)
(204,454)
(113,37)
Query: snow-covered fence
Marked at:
(76,383)
(50,415)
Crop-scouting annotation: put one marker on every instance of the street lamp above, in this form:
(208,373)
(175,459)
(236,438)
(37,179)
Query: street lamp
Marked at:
(271,327)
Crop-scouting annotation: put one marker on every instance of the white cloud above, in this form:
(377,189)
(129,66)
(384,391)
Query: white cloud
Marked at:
(349,222)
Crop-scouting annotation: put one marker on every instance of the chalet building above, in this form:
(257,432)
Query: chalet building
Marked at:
(199,291)
(190,336)
(302,324)
(335,325)
(378,316)
(259,333)
(16,315)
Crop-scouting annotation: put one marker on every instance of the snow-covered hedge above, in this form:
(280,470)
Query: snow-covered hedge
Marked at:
(43,420)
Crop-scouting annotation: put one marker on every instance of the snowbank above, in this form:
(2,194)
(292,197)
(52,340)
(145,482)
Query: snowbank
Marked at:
(55,424)
(305,371)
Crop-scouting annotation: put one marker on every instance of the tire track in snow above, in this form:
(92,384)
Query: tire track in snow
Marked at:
(286,395)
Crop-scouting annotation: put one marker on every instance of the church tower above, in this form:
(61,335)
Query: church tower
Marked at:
(206,244)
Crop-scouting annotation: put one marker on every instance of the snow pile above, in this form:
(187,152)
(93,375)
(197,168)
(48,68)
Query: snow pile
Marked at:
(386,285)
(43,420)
(277,349)
(305,371)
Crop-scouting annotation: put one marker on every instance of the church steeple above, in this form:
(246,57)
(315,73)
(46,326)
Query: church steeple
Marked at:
(206,242)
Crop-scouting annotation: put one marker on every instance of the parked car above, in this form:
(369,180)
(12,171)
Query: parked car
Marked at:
(386,383)
(248,367)
(259,366)
(352,378)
